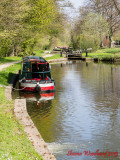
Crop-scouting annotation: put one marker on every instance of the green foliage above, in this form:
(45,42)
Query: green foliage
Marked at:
(93,29)
(86,41)
(23,23)
(5,46)
(42,13)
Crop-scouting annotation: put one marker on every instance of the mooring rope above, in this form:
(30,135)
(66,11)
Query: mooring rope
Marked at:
(18,89)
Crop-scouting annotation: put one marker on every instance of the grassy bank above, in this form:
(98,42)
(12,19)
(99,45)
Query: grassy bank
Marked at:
(56,56)
(39,53)
(105,54)
(42,53)
(7,74)
(10,59)
(14,144)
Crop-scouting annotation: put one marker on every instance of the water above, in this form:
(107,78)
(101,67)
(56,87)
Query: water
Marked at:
(83,113)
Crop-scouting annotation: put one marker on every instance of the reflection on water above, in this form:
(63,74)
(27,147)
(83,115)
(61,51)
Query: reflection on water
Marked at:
(84,115)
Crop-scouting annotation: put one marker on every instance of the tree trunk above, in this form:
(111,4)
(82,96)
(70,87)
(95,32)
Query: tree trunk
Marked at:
(110,40)
(110,37)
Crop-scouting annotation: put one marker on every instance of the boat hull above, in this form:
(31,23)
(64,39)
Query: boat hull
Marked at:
(32,87)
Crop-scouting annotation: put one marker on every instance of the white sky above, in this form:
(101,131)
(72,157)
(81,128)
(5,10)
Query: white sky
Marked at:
(73,13)
(77,3)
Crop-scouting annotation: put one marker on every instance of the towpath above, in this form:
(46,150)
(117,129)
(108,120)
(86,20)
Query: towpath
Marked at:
(2,66)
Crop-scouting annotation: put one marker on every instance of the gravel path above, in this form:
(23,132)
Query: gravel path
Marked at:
(2,66)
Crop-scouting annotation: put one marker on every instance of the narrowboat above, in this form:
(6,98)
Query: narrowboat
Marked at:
(35,75)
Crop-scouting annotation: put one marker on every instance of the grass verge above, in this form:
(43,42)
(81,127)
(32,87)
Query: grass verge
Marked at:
(105,54)
(56,56)
(42,53)
(10,59)
(7,74)
(14,144)
(39,52)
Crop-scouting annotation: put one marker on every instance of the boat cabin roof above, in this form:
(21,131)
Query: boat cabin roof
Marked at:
(34,59)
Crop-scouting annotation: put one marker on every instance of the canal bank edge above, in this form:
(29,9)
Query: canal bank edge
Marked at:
(34,136)
(20,112)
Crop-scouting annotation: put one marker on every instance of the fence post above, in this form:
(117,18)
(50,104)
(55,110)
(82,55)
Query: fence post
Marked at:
(86,52)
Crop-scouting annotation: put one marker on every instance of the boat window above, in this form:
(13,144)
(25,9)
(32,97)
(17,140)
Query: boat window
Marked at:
(42,67)
(34,67)
(38,67)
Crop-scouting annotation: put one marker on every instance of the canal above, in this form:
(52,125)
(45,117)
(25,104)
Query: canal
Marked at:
(84,112)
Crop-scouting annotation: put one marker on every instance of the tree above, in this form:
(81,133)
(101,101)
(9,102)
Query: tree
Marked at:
(93,30)
(89,31)
(110,11)
(23,23)
(117,5)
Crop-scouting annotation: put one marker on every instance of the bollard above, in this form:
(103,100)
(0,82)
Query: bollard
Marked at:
(86,52)
(61,54)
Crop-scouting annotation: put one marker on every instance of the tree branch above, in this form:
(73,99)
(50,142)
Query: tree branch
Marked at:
(116,6)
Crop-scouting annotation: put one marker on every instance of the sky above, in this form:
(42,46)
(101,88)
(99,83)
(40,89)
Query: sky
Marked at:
(73,13)
(77,3)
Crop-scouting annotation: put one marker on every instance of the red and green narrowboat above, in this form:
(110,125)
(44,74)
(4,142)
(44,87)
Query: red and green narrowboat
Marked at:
(36,75)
